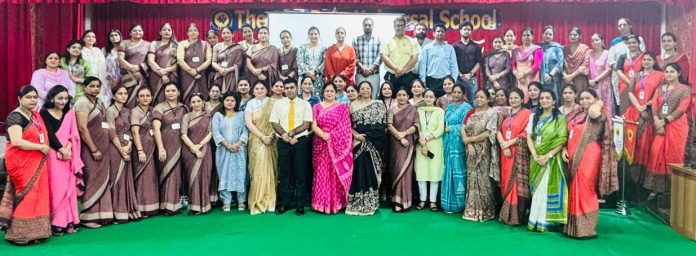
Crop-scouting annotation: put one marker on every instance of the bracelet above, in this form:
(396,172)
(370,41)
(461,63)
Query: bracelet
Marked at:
(139,150)
(94,151)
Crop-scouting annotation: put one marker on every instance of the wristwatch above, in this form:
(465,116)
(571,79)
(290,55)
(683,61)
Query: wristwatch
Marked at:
(290,134)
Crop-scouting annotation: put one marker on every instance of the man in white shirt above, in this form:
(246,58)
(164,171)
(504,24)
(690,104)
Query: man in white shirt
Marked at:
(291,118)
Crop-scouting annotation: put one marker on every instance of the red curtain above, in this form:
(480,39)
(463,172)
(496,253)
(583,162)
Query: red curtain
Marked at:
(15,46)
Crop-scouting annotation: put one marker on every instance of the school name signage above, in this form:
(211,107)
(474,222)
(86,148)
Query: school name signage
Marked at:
(452,19)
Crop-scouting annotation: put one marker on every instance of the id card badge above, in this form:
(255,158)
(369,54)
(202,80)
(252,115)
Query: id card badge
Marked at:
(570,135)
(641,95)
(152,133)
(284,67)
(508,134)
(538,139)
(176,126)
(105,125)
(631,73)
(197,59)
(665,109)
(126,137)
(41,138)
(223,64)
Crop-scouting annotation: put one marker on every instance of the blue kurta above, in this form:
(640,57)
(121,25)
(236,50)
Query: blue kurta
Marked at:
(231,167)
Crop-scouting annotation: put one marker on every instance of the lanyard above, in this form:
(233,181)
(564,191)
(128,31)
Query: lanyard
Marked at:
(428,116)
(540,123)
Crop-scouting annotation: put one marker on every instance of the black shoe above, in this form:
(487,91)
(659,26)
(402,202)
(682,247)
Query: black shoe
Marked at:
(280,210)
(300,211)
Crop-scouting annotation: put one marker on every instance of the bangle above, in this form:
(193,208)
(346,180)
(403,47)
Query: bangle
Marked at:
(139,150)
(94,151)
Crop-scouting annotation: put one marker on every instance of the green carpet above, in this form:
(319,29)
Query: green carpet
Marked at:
(412,233)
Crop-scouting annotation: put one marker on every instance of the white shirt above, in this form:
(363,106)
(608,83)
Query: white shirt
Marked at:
(281,110)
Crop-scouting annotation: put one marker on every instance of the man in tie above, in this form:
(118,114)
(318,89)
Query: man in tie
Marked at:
(291,118)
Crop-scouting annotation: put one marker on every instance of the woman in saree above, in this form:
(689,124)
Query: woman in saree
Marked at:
(671,55)
(453,194)
(577,61)
(402,125)
(369,122)
(533,96)
(73,63)
(132,54)
(245,94)
(144,172)
(497,66)
(228,61)
(287,57)
(307,92)
(197,155)
(332,154)
(44,79)
(122,187)
(510,38)
(514,161)
(546,137)
(527,61)
(600,72)
(194,57)
(429,155)
(95,63)
(262,60)
(552,63)
(310,60)
(627,68)
(386,95)
(64,163)
(417,89)
(230,136)
(214,95)
(482,164)
(166,126)
(263,157)
(569,95)
(444,100)
(591,160)
(635,107)
(162,60)
(25,215)
(352,93)
(110,51)
(670,106)
(97,208)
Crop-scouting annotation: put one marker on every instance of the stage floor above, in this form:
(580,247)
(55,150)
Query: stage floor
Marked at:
(412,233)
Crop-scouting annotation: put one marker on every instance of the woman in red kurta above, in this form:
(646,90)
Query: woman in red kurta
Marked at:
(669,105)
(635,107)
(514,160)
(340,59)
(629,65)
(591,162)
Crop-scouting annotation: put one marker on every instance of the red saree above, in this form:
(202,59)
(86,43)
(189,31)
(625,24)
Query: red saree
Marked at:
(668,147)
(24,209)
(514,169)
(592,164)
(333,159)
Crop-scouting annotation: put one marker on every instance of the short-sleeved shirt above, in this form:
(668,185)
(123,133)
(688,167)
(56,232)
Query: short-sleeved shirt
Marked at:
(281,110)
(399,51)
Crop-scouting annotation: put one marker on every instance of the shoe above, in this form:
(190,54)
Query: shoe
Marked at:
(226,208)
(280,210)
(300,211)
(241,207)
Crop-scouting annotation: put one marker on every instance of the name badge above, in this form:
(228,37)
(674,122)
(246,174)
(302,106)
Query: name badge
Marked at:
(631,73)
(224,64)
(538,139)
(284,67)
(508,134)
(665,109)
(126,137)
(196,59)
(641,95)
(105,125)
(152,133)
(176,126)
(570,135)
(41,138)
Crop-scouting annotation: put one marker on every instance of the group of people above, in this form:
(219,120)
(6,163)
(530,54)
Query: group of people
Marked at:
(143,128)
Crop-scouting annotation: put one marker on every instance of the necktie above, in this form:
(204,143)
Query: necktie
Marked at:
(291,116)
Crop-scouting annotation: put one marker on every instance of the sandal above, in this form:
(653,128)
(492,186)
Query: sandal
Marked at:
(420,206)
(433,207)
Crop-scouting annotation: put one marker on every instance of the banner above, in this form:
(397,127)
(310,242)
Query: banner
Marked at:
(618,123)
(452,19)
(630,136)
